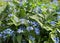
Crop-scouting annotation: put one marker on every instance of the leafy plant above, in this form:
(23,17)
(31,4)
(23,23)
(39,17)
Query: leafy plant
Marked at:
(29,21)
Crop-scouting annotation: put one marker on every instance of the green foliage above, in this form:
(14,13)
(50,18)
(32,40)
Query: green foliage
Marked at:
(23,19)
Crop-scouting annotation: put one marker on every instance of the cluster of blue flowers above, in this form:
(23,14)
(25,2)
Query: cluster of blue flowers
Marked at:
(37,10)
(33,26)
(21,29)
(8,32)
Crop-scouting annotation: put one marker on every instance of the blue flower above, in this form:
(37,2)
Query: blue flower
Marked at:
(19,30)
(21,3)
(10,15)
(37,10)
(4,37)
(22,27)
(8,31)
(55,1)
(30,28)
(0,35)
(58,12)
(34,23)
(56,39)
(53,23)
(58,17)
(15,10)
(31,38)
(37,31)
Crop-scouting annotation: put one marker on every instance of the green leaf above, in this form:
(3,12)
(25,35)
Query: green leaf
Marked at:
(46,42)
(47,28)
(0,22)
(0,40)
(22,13)
(19,38)
(15,20)
(58,30)
(30,41)
(41,15)
(35,17)
(53,35)
(2,6)
(14,39)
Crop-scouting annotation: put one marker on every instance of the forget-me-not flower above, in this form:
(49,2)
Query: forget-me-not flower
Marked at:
(56,39)
(29,28)
(53,23)
(37,31)
(31,38)
(20,31)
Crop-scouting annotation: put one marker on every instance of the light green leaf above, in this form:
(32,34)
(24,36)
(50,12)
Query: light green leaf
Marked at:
(35,17)
(58,30)
(15,20)
(2,6)
(30,41)
(47,28)
(22,13)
